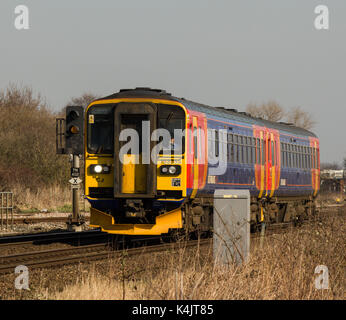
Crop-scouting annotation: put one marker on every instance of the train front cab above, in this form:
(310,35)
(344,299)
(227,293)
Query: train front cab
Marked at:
(136,179)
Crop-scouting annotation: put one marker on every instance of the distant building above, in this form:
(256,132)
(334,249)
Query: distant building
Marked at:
(333,180)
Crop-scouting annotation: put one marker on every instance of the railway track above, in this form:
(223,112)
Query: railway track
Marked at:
(31,220)
(87,252)
(105,250)
(58,257)
(28,219)
(49,237)
(91,235)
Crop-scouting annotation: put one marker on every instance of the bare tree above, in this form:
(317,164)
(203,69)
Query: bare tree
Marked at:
(331,166)
(84,100)
(269,111)
(27,141)
(21,96)
(254,110)
(274,112)
(300,118)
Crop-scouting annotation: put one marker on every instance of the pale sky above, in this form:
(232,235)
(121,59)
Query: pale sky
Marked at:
(217,52)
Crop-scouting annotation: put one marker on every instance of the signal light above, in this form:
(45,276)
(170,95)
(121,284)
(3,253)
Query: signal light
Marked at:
(74,129)
(74,115)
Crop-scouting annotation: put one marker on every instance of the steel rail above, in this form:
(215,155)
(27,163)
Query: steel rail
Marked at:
(58,257)
(31,220)
(37,238)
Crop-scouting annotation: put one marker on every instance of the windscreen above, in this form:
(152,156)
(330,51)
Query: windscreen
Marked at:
(172,118)
(100,129)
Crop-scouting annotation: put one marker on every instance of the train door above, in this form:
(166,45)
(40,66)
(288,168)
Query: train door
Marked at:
(272,161)
(134,172)
(260,171)
(315,165)
(202,152)
(267,166)
(195,143)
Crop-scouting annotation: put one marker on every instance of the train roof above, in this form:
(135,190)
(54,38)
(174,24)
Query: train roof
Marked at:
(233,114)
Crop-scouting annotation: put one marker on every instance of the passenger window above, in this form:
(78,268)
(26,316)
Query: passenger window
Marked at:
(244,154)
(229,147)
(307,158)
(295,157)
(249,154)
(301,159)
(263,153)
(258,151)
(249,151)
(240,153)
(216,143)
(200,142)
(291,160)
(311,159)
(235,148)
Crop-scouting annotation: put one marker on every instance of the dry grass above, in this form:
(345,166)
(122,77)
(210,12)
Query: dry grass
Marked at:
(54,198)
(282,269)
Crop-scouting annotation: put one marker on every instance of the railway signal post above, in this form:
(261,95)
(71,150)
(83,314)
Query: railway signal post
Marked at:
(76,221)
(73,137)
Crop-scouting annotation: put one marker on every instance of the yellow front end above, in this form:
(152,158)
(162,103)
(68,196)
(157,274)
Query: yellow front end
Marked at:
(164,222)
(133,177)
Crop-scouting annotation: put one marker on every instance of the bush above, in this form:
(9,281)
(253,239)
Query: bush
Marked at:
(27,141)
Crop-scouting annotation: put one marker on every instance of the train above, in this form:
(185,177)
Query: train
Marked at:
(137,183)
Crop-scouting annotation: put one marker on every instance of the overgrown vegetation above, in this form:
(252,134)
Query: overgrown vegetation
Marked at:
(28,163)
(284,268)
(27,141)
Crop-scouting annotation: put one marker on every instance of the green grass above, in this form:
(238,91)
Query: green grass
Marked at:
(64,208)
(30,210)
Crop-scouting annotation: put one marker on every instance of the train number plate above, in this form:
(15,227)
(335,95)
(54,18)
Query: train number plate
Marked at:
(176,182)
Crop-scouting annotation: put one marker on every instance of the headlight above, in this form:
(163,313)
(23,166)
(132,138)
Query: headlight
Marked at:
(170,170)
(99,168)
